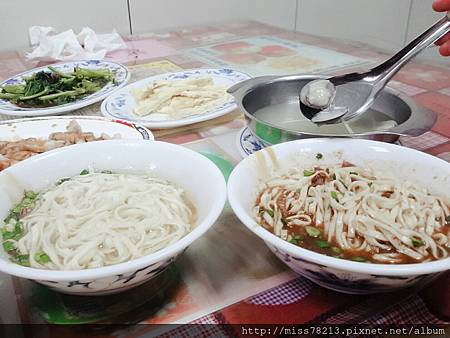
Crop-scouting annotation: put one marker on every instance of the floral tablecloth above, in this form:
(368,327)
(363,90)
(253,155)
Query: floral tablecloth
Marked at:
(221,279)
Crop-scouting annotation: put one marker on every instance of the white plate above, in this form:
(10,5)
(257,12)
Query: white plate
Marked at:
(42,127)
(120,72)
(121,104)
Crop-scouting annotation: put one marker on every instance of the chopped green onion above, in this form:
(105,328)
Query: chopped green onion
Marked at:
(370,184)
(31,194)
(293,241)
(107,172)
(447,219)
(336,249)
(299,237)
(8,246)
(416,242)
(62,180)
(8,234)
(334,195)
(17,209)
(322,244)
(23,260)
(358,259)
(334,176)
(11,216)
(42,257)
(84,172)
(13,234)
(307,173)
(27,201)
(312,231)
(270,212)
(353,173)
(319,156)
(18,227)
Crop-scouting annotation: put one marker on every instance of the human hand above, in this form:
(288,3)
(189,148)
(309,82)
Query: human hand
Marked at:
(444,43)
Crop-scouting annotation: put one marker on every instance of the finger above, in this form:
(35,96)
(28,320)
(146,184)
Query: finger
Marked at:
(445,49)
(441,5)
(443,40)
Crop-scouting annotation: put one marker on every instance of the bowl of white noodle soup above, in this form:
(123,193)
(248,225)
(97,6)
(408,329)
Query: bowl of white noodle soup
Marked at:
(104,217)
(355,216)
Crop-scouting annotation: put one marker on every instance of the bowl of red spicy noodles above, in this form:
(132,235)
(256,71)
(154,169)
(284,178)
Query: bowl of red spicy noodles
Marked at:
(355,216)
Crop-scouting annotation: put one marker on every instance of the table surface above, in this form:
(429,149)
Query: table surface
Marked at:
(236,282)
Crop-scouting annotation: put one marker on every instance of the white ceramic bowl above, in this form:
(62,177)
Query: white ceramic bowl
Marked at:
(202,180)
(338,274)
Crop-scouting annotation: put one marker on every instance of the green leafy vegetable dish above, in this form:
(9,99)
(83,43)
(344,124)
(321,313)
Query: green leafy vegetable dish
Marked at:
(54,88)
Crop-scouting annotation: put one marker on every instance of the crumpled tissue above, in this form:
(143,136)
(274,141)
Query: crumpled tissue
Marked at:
(86,45)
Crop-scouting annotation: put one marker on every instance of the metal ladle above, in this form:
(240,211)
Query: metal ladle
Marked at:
(372,81)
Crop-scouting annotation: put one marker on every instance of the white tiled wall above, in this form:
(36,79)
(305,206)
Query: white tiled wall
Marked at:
(420,19)
(17,15)
(388,24)
(165,14)
(382,23)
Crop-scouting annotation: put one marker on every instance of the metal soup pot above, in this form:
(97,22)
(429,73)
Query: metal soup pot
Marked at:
(273,114)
